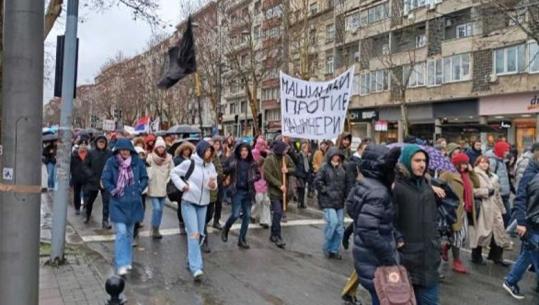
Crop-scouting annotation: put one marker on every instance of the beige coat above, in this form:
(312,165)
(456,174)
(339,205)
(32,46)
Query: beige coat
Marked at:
(490,221)
(159,175)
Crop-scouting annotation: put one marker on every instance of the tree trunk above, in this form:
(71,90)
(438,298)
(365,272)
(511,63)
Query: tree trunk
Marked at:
(404,116)
(54,10)
(251,95)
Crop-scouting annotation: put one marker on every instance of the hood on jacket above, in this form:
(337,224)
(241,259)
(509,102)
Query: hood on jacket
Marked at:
(124,143)
(238,148)
(101,137)
(451,147)
(332,152)
(373,161)
(159,143)
(201,147)
(407,153)
(344,135)
(501,148)
(279,147)
(183,146)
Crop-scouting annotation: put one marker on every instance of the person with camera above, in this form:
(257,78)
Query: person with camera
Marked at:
(526,213)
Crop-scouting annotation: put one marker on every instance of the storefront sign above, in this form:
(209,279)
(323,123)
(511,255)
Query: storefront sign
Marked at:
(505,124)
(534,103)
(521,103)
(381,126)
(362,115)
(315,110)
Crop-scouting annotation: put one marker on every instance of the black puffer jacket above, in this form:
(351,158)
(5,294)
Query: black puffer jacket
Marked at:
(351,166)
(331,183)
(416,214)
(231,167)
(369,205)
(98,158)
(80,169)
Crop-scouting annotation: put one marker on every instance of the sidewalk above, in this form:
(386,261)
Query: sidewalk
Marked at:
(77,282)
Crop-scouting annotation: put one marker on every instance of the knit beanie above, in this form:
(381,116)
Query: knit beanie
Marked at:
(460,158)
(501,148)
(160,143)
(451,147)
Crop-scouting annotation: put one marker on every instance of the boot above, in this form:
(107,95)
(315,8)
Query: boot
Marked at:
(477,258)
(86,218)
(459,267)
(278,241)
(243,244)
(206,246)
(224,234)
(156,234)
(216,225)
(105,224)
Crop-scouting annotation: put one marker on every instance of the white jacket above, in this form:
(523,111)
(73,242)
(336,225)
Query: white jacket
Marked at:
(158,175)
(199,191)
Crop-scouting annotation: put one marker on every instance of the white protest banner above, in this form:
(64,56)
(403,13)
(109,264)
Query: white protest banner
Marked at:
(109,125)
(315,110)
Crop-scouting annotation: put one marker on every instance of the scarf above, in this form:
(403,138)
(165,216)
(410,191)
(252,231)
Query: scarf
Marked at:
(83,154)
(125,176)
(160,160)
(468,192)
(306,162)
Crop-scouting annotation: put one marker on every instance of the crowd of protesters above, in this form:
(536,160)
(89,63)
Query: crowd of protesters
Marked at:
(411,204)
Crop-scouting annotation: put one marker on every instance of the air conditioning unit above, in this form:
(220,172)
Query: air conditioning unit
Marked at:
(448,22)
(492,78)
(357,56)
(385,49)
(411,16)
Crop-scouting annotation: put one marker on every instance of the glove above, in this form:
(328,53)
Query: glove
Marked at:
(491,192)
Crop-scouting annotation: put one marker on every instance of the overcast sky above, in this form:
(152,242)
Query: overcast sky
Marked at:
(102,35)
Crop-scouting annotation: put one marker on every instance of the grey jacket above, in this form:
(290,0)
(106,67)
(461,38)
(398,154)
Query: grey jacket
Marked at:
(521,165)
(497,166)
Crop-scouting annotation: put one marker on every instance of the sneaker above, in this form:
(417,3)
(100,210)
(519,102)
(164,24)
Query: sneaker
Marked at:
(459,267)
(335,256)
(197,276)
(278,241)
(513,290)
(122,271)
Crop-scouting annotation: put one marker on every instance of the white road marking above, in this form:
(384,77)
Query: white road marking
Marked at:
(170,232)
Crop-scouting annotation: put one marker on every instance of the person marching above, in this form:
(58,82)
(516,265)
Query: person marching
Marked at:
(195,201)
(276,165)
(160,165)
(124,177)
(98,158)
(243,173)
(182,153)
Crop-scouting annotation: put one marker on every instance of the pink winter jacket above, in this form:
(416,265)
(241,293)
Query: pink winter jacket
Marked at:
(261,186)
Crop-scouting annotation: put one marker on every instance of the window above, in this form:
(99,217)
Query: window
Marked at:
(257,32)
(510,60)
(374,14)
(257,7)
(330,32)
(243,106)
(313,8)
(273,115)
(274,12)
(534,57)
(243,60)
(420,41)
(373,82)
(312,36)
(352,22)
(232,108)
(330,64)
(464,30)
(270,94)
(410,5)
(456,68)
(416,76)
(434,72)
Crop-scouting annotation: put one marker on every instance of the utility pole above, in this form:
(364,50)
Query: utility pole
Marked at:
(65,132)
(20,187)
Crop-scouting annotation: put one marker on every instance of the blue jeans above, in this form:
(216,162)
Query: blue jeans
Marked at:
(51,171)
(334,230)
(427,296)
(194,217)
(123,248)
(374,296)
(524,260)
(240,202)
(157,210)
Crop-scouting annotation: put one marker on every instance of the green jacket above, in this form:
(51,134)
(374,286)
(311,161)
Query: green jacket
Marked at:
(219,169)
(273,176)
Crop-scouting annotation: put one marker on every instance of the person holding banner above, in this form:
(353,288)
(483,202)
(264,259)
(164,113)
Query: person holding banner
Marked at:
(277,166)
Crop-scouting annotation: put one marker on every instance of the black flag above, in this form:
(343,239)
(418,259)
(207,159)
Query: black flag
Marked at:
(181,59)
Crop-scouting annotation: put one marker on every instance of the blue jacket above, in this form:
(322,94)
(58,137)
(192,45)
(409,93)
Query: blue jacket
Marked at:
(498,167)
(370,206)
(127,208)
(521,203)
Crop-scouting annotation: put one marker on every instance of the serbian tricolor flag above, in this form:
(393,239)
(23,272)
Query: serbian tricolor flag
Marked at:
(143,124)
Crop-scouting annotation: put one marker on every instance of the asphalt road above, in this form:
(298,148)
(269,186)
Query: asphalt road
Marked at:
(265,274)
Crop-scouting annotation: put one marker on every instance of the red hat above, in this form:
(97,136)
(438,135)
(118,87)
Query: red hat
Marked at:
(460,158)
(501,148)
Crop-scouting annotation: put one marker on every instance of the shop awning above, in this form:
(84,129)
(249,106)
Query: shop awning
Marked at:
(467,128)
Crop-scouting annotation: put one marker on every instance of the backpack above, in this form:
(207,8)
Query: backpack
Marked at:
(393,286)
(173,193)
